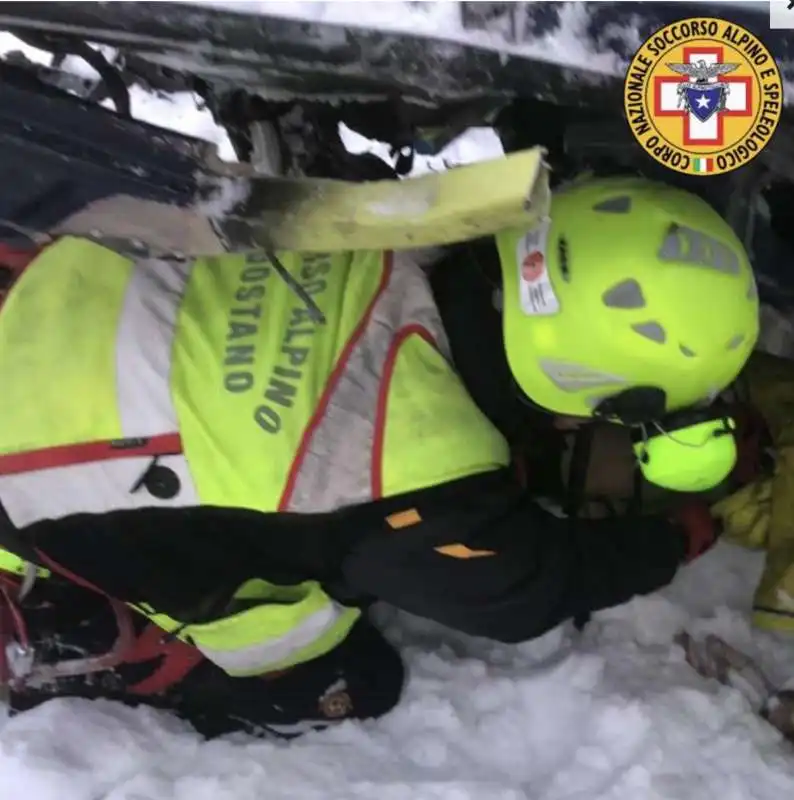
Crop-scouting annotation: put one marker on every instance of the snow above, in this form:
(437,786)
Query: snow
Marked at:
(440,19)
(180,111)
(476,145)
(183,112)
(612,713)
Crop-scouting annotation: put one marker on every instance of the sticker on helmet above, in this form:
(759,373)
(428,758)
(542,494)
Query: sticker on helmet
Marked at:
(535,289)
(533,265)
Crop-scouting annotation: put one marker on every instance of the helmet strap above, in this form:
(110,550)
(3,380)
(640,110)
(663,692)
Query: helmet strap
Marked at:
(581,454)
(575,494)
(682,420)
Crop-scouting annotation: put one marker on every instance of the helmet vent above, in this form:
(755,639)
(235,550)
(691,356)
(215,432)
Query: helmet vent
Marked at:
(689,246)
(686,351)
(626,294)
(562,257)
(570,377)
(736,341)
(651,330)
(615,205)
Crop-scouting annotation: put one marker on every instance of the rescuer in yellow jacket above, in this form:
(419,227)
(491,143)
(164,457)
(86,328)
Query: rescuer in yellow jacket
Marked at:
(760,515)
(204,485)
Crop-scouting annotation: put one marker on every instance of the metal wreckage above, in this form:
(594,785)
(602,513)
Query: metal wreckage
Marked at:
(281,87)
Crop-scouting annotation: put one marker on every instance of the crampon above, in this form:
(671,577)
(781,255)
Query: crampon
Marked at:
(19,665)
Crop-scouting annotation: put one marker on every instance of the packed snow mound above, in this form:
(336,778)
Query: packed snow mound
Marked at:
(613,713)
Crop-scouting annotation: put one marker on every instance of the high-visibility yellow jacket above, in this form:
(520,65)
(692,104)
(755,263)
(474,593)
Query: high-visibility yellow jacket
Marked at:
(761,514)
(180,385)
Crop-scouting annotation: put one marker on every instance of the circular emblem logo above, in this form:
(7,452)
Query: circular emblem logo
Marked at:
(703,96)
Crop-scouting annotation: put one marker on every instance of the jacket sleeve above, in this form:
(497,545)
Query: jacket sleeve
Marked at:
(483,558)
(245,588)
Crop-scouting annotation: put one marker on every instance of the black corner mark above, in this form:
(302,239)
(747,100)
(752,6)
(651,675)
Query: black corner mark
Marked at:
(790,5)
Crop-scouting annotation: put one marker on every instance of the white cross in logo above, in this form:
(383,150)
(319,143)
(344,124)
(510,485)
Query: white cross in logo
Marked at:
(738,102)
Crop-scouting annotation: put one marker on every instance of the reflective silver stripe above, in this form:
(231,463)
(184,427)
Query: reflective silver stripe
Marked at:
(144,343)
(570,377)
(261,656)
(89,489)
(344,437)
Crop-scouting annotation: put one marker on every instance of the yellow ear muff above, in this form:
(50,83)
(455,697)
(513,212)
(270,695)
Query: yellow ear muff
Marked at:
(694,458)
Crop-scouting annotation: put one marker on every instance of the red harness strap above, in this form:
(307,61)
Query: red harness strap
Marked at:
(15,262)
(178,658)
(12,624)
(167,444)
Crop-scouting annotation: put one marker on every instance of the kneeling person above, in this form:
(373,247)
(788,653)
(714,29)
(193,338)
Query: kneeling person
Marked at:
(187,441)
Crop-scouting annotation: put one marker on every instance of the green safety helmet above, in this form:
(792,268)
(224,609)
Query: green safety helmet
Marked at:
(630,301)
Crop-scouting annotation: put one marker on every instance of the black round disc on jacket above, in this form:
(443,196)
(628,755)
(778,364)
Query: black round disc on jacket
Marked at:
(162,482)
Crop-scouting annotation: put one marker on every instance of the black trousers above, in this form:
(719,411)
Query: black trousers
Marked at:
(361,678)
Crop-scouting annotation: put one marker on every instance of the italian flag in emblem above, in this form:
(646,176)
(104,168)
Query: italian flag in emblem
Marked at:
(703,165)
